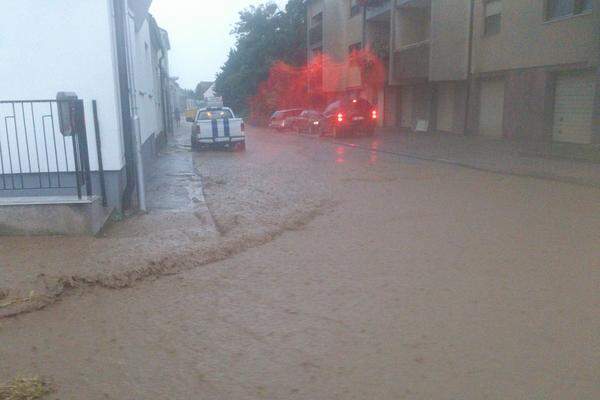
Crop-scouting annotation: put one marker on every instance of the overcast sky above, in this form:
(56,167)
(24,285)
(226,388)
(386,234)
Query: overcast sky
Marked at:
(199,31)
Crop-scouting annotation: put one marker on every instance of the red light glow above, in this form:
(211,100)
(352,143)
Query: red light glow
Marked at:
(340,117)
(311,85)
(374,114)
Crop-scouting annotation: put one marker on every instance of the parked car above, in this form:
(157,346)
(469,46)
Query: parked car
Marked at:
(279,119)
(350,117)
(309,121)
(218,127)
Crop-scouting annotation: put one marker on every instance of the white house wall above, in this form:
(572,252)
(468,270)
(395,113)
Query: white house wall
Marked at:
(64,45)
(147,95)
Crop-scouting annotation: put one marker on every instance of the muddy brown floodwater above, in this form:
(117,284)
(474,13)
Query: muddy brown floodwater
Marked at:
(363,276)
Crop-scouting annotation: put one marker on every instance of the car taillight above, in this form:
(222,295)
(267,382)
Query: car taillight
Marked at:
(374,114)
(340,117)
(243,127)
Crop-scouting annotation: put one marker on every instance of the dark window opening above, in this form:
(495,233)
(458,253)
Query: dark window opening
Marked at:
(354,47)
(493,17)
(354,8)
(564,8)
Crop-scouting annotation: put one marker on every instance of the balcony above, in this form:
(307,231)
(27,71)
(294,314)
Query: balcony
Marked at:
(412,61)
(380,11)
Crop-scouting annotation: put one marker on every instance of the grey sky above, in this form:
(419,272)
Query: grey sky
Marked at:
(199,31)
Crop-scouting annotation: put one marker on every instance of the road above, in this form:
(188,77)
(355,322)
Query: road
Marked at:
(365,276)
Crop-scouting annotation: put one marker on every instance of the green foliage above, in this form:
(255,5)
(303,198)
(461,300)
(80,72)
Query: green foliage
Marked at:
(264,35)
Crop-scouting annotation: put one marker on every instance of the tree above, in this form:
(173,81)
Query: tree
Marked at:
(265,35)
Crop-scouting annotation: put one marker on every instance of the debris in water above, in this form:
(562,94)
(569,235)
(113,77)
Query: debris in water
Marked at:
(24,389)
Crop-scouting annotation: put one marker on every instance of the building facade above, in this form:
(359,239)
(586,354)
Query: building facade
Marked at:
(514,69)
(108,51)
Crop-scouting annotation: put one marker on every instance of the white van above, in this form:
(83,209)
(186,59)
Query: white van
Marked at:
(218,127)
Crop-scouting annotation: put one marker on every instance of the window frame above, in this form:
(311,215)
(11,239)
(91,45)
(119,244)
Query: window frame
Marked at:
(574,13)
(354,8)
(486,18)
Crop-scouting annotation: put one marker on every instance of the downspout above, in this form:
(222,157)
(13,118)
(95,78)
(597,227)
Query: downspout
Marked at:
(162,90)
(136,127)
(469,64)
(121,45)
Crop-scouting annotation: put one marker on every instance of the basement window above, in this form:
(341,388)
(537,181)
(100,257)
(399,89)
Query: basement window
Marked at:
(493,17)
(566,8)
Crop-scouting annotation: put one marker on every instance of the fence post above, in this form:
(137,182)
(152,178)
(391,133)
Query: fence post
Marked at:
(99,152)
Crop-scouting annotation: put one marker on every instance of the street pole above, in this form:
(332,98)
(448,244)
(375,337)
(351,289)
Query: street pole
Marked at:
(364,27)
(469,63)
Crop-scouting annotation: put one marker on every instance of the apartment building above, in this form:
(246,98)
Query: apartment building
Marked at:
(501,68)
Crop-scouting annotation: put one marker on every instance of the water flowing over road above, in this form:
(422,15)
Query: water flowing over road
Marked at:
(358,274)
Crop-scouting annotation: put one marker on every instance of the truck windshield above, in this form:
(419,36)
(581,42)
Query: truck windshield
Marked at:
(214,114)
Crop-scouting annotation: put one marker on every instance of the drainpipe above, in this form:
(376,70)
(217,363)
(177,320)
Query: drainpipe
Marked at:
(364,27)
(163,94)
(136,127)
(469,64)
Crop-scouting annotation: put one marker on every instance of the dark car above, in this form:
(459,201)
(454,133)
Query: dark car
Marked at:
(350,117)
(280,119)
(309,121)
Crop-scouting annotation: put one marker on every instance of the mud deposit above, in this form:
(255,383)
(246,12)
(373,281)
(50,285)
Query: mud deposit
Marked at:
(204,207)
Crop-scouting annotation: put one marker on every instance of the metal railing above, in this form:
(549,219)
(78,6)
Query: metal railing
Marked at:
(35,157)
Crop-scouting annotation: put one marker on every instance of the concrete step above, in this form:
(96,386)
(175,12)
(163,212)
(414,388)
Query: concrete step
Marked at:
(52,215)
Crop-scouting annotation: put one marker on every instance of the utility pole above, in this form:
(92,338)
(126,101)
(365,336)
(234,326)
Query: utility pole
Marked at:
(469,64)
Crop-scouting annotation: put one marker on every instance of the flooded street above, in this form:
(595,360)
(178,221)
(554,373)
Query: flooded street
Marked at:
(348,273)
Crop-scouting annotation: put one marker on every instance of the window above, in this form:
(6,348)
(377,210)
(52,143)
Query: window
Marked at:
(354,47)
(214,114)
(564,8)
(493,17)
(354,8)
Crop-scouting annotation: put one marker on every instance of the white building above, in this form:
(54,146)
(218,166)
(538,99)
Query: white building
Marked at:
(108,51)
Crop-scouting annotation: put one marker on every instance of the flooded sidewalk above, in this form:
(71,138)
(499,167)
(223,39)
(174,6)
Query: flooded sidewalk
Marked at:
(481,153)
(35,271)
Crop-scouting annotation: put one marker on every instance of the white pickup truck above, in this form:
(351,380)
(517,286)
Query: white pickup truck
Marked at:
(218,127)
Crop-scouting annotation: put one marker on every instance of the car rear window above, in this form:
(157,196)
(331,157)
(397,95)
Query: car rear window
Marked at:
(214,114)
(333,107)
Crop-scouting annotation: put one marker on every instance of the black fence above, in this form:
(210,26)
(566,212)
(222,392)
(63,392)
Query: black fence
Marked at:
(36,158)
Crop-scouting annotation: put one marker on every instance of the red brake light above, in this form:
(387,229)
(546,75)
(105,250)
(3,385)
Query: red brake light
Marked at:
(340,117)
(374,114)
